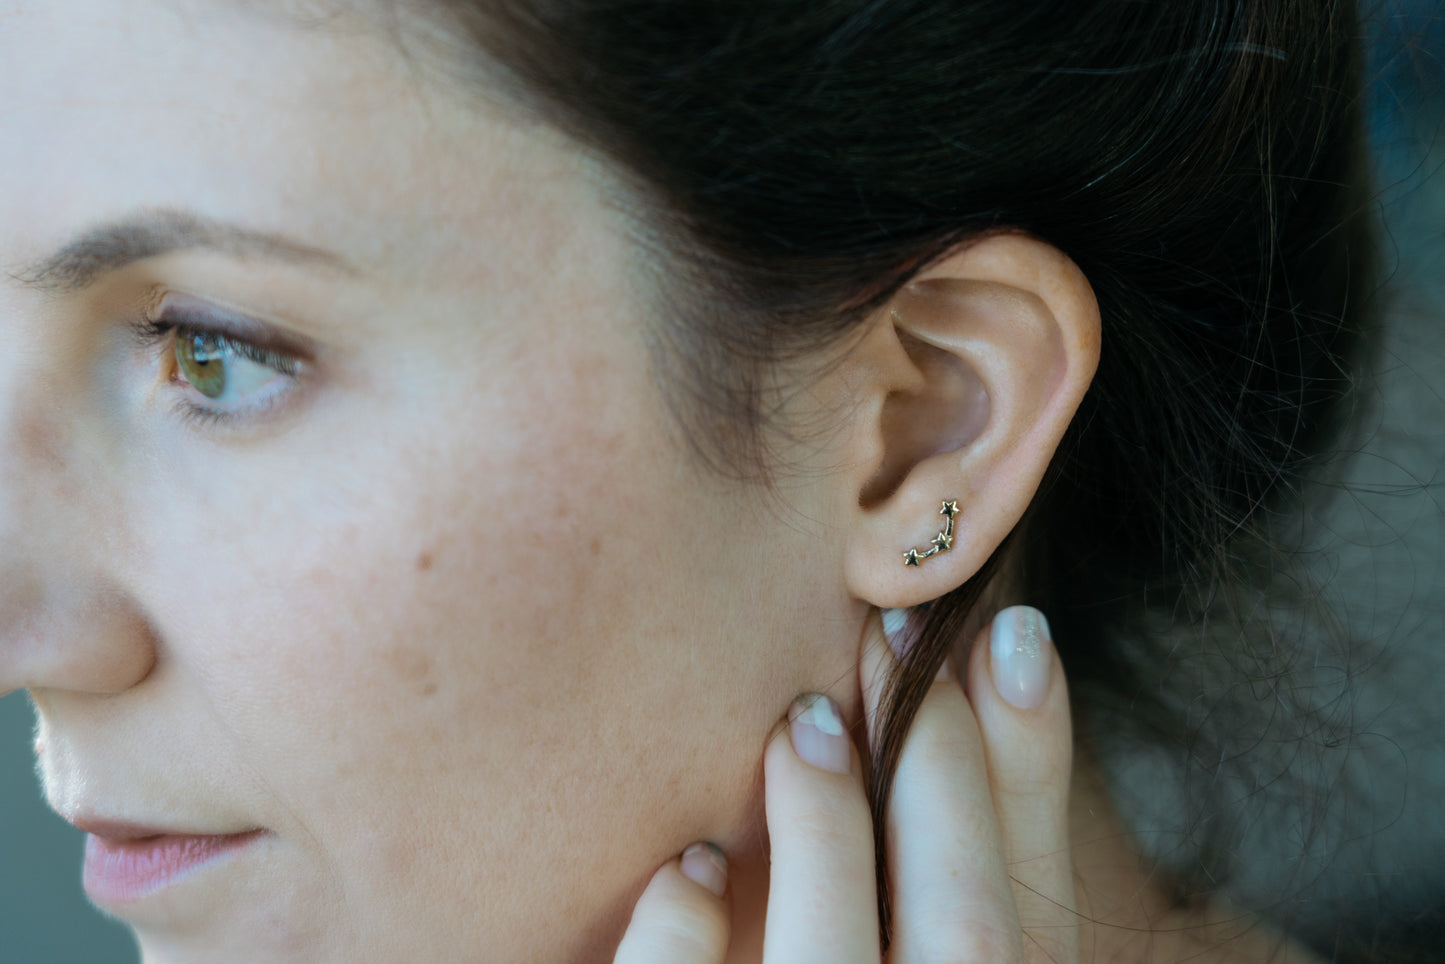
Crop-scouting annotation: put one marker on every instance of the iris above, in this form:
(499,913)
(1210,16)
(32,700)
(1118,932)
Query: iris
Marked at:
(200,359)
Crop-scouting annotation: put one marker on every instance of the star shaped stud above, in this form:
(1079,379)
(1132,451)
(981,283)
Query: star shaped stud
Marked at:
(941,542)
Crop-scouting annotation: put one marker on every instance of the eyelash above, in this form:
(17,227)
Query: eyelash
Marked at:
(164,333)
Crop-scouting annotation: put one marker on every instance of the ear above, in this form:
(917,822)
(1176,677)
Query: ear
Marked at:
(971,375)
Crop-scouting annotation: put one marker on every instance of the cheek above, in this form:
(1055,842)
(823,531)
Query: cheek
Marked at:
(483,652)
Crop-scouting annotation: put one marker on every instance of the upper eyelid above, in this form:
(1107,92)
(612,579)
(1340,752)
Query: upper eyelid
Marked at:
(176,309)
(153,332)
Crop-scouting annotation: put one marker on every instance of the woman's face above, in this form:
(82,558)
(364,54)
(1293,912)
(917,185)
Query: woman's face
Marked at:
(434,593)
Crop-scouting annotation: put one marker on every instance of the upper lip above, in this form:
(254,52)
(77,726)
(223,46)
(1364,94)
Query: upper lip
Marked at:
(121,831)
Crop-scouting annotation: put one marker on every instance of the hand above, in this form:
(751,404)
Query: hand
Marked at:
(977,835)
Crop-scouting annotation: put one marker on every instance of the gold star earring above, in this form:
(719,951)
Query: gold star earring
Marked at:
(941,542)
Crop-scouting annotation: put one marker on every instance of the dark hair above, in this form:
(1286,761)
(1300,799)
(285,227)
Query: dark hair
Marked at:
(797,161)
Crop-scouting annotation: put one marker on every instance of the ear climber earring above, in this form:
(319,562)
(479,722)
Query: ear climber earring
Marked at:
(941,542)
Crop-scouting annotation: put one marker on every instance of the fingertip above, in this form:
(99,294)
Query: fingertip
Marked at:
(1014,666)
(1020,697)
(1029,747)
(895,622)
(819,733)
(821,899)
(1021,656)
(682,916)
(705,864)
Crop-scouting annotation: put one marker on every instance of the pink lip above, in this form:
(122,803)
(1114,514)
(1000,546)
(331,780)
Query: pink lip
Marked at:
(129,866)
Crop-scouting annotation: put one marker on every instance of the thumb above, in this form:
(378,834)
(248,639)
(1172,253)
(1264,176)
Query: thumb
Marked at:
(682,916)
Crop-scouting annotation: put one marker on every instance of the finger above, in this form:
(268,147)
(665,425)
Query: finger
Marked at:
(1021,702)
(822,894)
(681,918)
(951,894)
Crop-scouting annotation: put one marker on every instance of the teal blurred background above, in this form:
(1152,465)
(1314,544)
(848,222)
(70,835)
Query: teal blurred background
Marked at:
(44,916)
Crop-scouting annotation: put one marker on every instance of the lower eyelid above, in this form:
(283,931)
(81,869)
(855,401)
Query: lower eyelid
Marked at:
(211,416)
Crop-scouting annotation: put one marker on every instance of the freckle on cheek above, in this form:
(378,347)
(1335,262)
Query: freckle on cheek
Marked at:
(409,664)
(40,444)
(423,562)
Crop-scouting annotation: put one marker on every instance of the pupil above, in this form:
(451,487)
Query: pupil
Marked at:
(199,360)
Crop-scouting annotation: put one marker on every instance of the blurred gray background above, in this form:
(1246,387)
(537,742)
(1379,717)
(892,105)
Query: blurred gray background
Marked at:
(44,916)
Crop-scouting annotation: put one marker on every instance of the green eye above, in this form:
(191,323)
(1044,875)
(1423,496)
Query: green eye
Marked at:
(200,358)
(235,376)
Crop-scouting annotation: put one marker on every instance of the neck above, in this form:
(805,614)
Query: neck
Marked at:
(1126,910)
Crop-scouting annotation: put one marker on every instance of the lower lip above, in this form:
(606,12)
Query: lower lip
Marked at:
(117,871)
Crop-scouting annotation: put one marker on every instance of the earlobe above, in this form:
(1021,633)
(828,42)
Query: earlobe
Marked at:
(992,348)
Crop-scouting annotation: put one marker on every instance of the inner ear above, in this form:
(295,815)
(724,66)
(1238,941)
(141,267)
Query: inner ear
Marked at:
(945,415)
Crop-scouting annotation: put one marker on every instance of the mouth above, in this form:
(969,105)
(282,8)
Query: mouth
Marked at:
(125,862)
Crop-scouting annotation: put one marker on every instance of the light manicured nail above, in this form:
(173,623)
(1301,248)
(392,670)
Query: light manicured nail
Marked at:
(704,863)
(1020,655)
(819,736)
(894,621)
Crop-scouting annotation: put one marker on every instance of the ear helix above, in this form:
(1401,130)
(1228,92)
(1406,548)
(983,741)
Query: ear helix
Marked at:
(941,542)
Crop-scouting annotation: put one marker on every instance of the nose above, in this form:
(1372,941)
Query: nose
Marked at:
(64,624)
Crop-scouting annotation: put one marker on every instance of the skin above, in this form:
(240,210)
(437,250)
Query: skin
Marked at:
(479,438)
(436,619)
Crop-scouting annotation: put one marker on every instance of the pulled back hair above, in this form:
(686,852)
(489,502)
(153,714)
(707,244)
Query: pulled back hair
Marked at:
(796,162)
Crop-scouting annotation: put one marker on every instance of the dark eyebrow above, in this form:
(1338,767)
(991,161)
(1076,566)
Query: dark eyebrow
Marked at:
(154,232)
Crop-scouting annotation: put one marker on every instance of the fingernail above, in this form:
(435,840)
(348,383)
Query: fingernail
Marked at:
(819,736)
(703,863)
(1019,655)
(894,621)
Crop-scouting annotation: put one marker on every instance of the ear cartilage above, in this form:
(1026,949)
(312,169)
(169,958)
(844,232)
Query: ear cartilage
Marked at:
(941,542)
